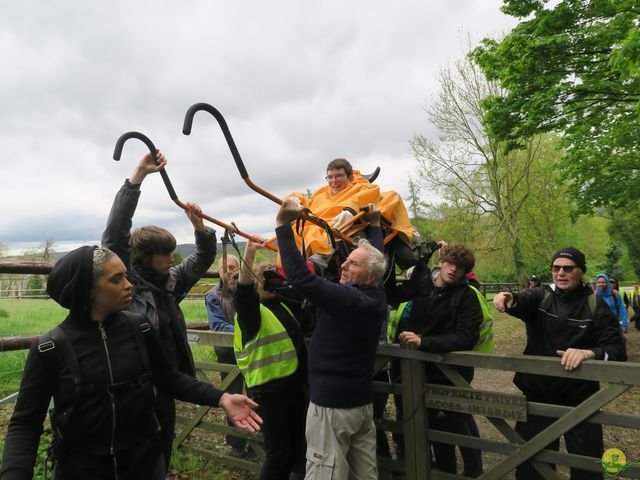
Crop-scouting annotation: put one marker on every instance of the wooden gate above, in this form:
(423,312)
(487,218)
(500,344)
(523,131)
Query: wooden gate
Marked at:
(499,409)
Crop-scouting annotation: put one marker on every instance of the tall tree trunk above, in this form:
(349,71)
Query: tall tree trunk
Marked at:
(518,262)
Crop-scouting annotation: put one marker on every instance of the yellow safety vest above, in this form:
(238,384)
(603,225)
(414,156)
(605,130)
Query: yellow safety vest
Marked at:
(269,355)
(394,321)
(485,341)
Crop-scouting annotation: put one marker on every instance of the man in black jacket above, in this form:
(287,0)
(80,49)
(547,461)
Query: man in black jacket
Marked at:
(445,317)
(565,320)
(341,435)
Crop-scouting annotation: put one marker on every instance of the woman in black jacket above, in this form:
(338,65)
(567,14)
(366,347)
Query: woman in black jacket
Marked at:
(101,366)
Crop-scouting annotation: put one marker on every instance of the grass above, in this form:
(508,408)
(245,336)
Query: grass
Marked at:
(20,318)
(35,317)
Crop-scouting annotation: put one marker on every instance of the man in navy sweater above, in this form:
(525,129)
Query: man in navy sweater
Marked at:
(341,436)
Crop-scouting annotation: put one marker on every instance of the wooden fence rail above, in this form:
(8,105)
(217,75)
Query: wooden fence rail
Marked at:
(44,268)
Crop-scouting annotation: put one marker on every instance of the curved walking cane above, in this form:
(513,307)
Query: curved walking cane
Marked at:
(117,153)
(186,129)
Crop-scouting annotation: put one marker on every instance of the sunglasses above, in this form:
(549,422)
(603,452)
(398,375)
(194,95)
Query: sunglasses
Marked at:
(566,268)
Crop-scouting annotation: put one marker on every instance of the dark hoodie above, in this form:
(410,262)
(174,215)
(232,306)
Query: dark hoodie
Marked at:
(614,300)
(70,281)
(112,410)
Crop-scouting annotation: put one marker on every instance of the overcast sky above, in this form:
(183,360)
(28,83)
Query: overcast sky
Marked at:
(299,83)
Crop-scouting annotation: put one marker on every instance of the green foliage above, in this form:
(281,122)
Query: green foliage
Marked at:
(177,257)
(189,465)
(611,264)
(35,285)
(421,224)
(626,228)
(500,201)
(23,317)
(573,68)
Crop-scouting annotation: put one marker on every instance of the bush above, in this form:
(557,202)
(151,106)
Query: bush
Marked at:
(35,285)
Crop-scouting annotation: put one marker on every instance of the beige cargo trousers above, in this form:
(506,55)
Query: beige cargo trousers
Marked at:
(341,443)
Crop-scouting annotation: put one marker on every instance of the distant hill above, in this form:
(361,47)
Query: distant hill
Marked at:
(185,249)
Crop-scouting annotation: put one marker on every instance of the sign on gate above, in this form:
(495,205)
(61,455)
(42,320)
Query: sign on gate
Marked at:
(476,402)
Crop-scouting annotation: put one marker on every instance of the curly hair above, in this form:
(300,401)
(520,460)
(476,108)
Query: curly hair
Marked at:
(100,257)
(459,255)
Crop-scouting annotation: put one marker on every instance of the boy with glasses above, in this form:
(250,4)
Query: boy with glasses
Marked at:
(345,193)
(564,319)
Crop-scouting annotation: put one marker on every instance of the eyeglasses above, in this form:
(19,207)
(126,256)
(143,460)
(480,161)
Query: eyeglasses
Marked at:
(337,176)
(566,268)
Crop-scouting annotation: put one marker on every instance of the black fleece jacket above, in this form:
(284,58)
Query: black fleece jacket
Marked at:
(564,320)
(432,315)
(343,346)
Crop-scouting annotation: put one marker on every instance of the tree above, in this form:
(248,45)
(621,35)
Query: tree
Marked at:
(573,68)
(35,285)
(470,168)
(417,209)
(611,264)
(43,253)
(177,257)
(626,228)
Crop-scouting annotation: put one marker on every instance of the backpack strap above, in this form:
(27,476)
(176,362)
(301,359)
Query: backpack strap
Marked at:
(591,301)
(55,340)
(139,330)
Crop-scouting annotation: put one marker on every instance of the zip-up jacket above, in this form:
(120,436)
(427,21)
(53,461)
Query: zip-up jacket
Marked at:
(95,421)
(159,306)
(560,321)
(432,316)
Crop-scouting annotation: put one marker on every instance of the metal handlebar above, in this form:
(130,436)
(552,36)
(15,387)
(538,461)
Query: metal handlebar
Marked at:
(117,153)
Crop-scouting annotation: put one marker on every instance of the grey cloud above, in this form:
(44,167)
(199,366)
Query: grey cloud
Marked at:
(298,84)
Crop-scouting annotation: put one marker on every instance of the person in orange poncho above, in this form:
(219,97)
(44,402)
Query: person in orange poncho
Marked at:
(343,196)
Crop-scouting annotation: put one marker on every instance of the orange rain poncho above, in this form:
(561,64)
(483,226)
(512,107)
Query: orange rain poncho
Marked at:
(359,193)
